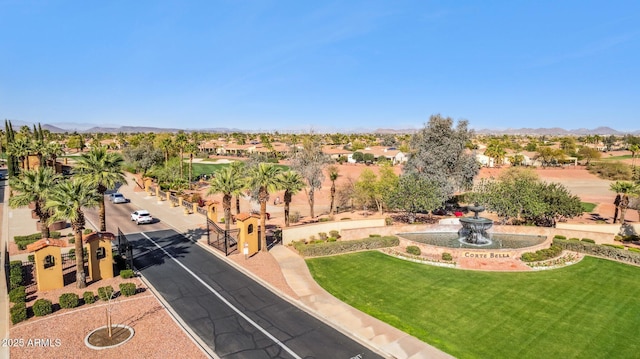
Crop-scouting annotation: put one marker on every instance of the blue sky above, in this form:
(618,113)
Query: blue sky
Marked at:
(321,65)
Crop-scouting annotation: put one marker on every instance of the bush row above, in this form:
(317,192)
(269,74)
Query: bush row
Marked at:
(42,307)
(23,241)
(542,254)
(15,274)
(600,250)
(330,248)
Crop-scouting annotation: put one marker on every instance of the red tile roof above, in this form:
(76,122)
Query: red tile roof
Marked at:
(45,242)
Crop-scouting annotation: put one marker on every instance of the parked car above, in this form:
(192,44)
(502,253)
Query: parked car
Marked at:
(118,198)
(141,216)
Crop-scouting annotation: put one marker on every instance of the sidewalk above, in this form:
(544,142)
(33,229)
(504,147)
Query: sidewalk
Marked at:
(313,298)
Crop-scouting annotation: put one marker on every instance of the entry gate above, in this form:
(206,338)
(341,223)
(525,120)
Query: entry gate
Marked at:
(221,239)
(125,250)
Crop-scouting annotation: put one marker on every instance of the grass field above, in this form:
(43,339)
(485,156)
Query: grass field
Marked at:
(616,158)
(587,207)
(587,310)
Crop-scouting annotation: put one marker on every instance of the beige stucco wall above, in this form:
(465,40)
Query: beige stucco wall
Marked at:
(304,232)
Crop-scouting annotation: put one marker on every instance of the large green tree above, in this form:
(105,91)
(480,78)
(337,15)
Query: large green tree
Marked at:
(438,155)
(264,179)
(143,156)
(415,194)
(34,186)
(67,201)
(103,170)
(623,190)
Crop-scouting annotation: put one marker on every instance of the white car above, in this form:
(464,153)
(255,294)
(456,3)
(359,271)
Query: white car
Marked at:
(117,198)
(141,216)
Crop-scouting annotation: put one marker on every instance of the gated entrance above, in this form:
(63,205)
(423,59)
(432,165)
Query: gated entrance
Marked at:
(125,250)
(221,239)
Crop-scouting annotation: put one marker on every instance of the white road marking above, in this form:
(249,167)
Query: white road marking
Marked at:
(256,325)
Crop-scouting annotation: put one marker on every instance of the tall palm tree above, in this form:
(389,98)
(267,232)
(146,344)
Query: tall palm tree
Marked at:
(623,189)
(102,170)
(333,176)
(66,201)
(34,186)
(180,142)
(291,182)
(263,178)
(52,151)
(238,167)
(229,183)
(191,148)
(166,145)
(21,148)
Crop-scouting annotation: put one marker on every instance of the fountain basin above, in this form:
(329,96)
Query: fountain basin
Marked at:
(452,240)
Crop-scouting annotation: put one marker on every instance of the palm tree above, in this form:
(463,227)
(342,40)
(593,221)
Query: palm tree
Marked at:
(102,170)
(191,148)
(634,150)
(333,176)
(623,189)
(67,201)
(34,186)
(291,182)
(238,167)
(229,183)
(52,151)
(21,148)
(180,142)
(263,177)
(166,145)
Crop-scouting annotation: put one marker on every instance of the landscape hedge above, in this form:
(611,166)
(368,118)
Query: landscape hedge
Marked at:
(88,297)
(69,300)
(126,273)
(331,248)
(543,254)
(42,307)
(23,241)
(18,295)
(105,292)
(598,250)
(18,313)
(15,274)
(415,250)
(127,289)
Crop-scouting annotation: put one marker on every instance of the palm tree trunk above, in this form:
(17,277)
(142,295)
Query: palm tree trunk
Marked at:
(44,221)
(333,197)
(263,224)
(237,203)
(181,165)
(311,202)
(226,204)
(81,279)
(190,167)
(103,216)
(287,201)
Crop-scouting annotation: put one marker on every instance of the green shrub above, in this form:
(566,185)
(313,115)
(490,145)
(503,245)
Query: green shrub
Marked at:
(105,293)
(559,236)
(18,313)
(637,250)
(42,307)
(574,239)
(87,231)
(71,240)
(588,240)
(332,239)
(23,241)
(629,238)
(15,274)
(323,236)
(126,273)
(294,217)
(542,254)
(611,170)
(18,295)
(88,297)
(619,246)
(127,289)
(374,235)
(338,247)
(31,258)
(324,219)
(415,250)
(345,219)
(55,235)
(68,300)
(388,221)
(334,234)
(447,256)
(602,251)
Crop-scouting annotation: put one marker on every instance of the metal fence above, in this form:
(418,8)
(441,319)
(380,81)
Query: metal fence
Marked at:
(221,239)
(125,250)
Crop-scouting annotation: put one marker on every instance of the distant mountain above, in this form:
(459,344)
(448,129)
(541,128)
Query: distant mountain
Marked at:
(555,131)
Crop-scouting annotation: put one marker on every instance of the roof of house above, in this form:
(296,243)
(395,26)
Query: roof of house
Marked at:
(45,242)
(98,236)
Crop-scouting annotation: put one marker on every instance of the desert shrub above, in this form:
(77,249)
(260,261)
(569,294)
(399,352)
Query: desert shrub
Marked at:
(294,217)
(559,236)
(330,248)
(447,256)
(415,250)
(374,235)
(18,313)
(388,221)
(126,273)
(31,258)
(611,170)
(18,295)
(345,219)
(221,220)
(88,297)
(71,240)
(630,238)
(602,251)
(68,300)
(619,246)
(312,238)
(542,254)
(574,239)
(42,307)
(332,239)
(588,240)
(127,289)
(87,231)
(323,236)
(324,219)
(334,234)
(105,293)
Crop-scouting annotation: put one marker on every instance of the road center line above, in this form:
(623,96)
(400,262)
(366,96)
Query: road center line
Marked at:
(274,339)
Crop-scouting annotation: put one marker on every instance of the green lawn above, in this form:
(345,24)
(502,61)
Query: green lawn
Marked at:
(588,310)
(615,158)
(587,207)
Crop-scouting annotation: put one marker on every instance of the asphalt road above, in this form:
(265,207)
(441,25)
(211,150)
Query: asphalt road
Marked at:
(233,314)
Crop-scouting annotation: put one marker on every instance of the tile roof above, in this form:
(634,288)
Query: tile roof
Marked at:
(45,242)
